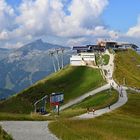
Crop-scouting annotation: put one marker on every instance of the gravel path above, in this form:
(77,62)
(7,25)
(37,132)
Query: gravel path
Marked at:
(134,89)
(122,100)
(28,130)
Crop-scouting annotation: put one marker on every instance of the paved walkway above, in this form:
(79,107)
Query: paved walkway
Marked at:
(122,100)
(134,89)
(28,130)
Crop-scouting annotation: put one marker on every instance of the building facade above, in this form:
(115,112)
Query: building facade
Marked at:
(83,59)
(86,54)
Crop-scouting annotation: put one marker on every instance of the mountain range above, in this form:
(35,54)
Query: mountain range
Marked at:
(22,67)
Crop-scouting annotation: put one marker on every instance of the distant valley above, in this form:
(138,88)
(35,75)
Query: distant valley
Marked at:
(20,68)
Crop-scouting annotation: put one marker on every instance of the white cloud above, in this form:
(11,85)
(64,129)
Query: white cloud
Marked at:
(33,17)
(6,16)
(134,31)
(3,35)
(76,41)
(38,18)
(48,17)
(82,19)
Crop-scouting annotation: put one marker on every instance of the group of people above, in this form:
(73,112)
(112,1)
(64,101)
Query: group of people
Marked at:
(121,90)
(91,110)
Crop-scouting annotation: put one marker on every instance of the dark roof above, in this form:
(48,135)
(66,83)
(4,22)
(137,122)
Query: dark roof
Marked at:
(80,47)
(130,45)
(134,46)
(92,45)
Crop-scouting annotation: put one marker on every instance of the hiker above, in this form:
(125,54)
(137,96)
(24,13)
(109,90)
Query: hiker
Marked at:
(88,110)
(121,92)
(93,110)
(121,95)
(109,106)
(112,84)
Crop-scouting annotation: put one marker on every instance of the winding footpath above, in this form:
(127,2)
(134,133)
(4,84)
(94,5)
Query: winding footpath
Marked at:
(122,91)
(122,100)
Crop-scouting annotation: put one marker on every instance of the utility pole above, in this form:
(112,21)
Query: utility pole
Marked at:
(51,53)
(57,58)
(62,59)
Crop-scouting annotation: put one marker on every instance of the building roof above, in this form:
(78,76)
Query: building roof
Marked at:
(80,47)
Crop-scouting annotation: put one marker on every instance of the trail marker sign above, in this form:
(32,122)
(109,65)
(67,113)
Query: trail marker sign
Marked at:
(56,99)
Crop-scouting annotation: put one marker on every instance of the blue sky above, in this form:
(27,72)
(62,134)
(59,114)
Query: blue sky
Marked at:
(122,14)
(13,2)
(68,21)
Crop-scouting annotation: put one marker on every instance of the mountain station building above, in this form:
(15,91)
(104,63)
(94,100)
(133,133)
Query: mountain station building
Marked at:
(85,55)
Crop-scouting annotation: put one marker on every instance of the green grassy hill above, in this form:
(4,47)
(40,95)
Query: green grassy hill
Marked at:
(73,81)
(127,68)
(121,124)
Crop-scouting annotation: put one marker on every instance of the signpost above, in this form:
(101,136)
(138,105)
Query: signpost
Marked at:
(56,99)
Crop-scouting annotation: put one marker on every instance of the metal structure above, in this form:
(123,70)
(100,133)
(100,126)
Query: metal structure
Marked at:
(43,99)
(57,58)
(62,57)
(51,53)
(55,54)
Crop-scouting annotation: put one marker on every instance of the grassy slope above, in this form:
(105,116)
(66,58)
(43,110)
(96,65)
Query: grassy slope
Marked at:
(126,67)
(73,81)
(100,100)
(121,124)
(4,135)
(106,58)
(102,60)
(24,117)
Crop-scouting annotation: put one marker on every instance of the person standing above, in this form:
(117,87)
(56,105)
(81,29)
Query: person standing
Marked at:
(109,106)
(88,110)
(93,109)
